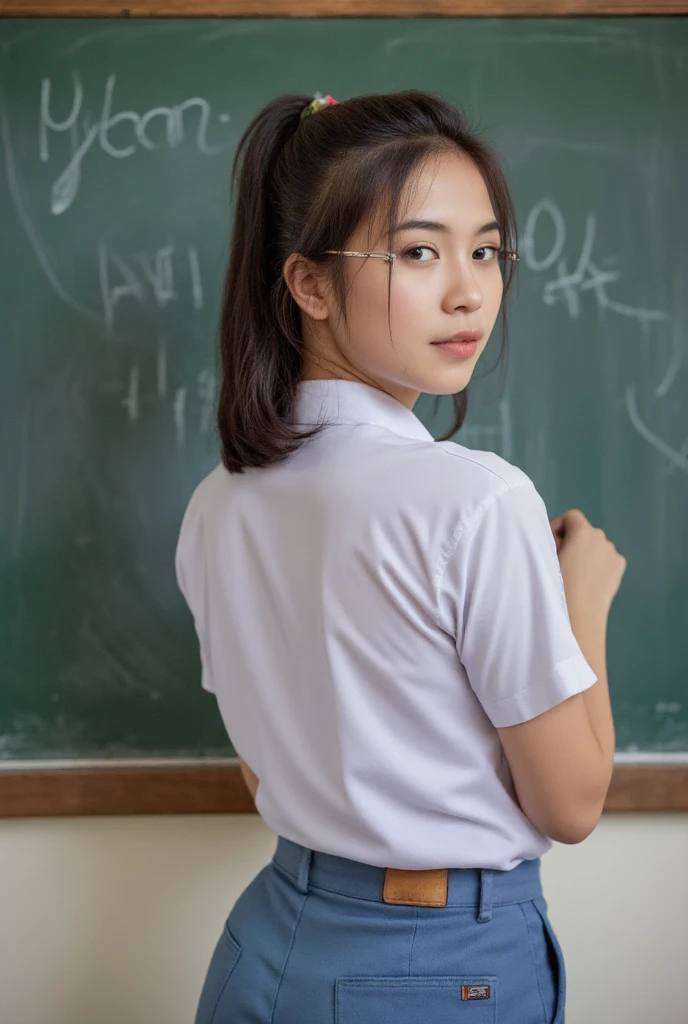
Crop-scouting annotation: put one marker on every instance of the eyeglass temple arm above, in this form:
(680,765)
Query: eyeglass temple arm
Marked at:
(389,256)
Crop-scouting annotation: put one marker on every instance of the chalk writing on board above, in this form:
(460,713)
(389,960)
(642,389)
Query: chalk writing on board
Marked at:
(85,132)
(206,390)
(678,457)
(678,356)
(22,209)
(179,409)
(146,273)
(568,286)
(131,402)
(206,386)
(161,368)
(539,462)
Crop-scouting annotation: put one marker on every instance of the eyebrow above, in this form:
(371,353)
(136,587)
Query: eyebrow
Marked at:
(434,225)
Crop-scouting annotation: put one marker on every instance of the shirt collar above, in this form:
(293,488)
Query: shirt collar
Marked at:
(348,401)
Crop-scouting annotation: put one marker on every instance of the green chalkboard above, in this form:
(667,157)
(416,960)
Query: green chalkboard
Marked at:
(116,141)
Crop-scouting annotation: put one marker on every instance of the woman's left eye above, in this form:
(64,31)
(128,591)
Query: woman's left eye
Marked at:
(486,254)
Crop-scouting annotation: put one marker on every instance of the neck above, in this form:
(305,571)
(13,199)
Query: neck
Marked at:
(324,360)
(405,396)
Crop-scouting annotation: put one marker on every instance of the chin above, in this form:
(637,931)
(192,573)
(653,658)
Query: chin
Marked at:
(447,385)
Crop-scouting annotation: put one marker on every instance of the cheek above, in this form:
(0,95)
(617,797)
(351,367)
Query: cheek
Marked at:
(494,293)
(412,297)
(368,299)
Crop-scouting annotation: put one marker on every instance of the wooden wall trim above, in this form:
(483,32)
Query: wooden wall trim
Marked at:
(336,8)
(220,789)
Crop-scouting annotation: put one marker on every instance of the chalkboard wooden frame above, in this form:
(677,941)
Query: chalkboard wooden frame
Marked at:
(217,787)
(338,8)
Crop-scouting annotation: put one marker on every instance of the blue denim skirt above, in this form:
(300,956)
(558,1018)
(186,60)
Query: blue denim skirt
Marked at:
(312,941)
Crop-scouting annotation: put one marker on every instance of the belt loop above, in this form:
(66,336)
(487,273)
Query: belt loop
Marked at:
(304,870)
(486,882)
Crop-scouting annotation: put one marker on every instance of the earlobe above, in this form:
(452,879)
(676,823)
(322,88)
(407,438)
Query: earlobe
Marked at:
(306,285)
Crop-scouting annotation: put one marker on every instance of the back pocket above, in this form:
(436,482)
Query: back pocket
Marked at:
(442,999)
(223,961)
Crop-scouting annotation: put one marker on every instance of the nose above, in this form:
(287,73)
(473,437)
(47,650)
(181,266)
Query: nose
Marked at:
(463,290)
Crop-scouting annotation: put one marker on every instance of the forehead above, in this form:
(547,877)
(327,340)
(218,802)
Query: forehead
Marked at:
(449,184)
(447,187)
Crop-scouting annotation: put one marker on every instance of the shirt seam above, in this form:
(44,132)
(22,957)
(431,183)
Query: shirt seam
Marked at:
(466,525)
(477,462)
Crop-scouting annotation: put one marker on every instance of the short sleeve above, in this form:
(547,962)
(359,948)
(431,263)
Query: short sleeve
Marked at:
(190,571)
(502,597)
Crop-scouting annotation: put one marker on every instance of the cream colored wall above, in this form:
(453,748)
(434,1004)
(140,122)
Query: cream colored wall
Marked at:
(112,920)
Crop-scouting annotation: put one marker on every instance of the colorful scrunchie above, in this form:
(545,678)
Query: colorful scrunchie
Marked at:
(319,103)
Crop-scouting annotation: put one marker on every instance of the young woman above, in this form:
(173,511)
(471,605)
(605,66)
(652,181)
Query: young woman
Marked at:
(409,658)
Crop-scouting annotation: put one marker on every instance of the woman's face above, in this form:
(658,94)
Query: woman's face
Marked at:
(446,280)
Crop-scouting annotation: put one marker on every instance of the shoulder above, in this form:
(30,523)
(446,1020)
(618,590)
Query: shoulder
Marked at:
(500,492)
(429,478)
(483,487)
(188,557)
(489,470)
(439,490)
(203,499)
(207,490)
(465,479)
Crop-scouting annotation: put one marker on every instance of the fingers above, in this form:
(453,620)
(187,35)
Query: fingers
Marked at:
(567,524)
(574,519)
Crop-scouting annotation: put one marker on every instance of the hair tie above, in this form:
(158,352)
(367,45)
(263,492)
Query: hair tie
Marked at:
(319,103)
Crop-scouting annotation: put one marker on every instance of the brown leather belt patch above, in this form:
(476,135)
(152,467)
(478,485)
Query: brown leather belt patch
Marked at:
(416,888)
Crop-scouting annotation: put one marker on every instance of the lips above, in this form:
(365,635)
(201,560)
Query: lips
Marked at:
(464,344)
(468,336)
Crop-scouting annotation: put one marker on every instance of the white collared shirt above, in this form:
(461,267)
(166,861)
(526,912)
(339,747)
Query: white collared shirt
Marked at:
(368,611)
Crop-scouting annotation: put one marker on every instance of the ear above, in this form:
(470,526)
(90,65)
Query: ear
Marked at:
(308,286)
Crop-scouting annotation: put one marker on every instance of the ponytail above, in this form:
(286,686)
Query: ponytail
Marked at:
(260,348)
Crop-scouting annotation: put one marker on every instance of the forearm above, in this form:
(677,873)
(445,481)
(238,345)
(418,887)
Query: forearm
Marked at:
(591,635)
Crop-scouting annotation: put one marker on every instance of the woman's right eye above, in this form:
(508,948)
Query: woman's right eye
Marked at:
(410,253)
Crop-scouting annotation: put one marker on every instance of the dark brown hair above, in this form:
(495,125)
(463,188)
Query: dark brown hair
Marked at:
(305,185)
